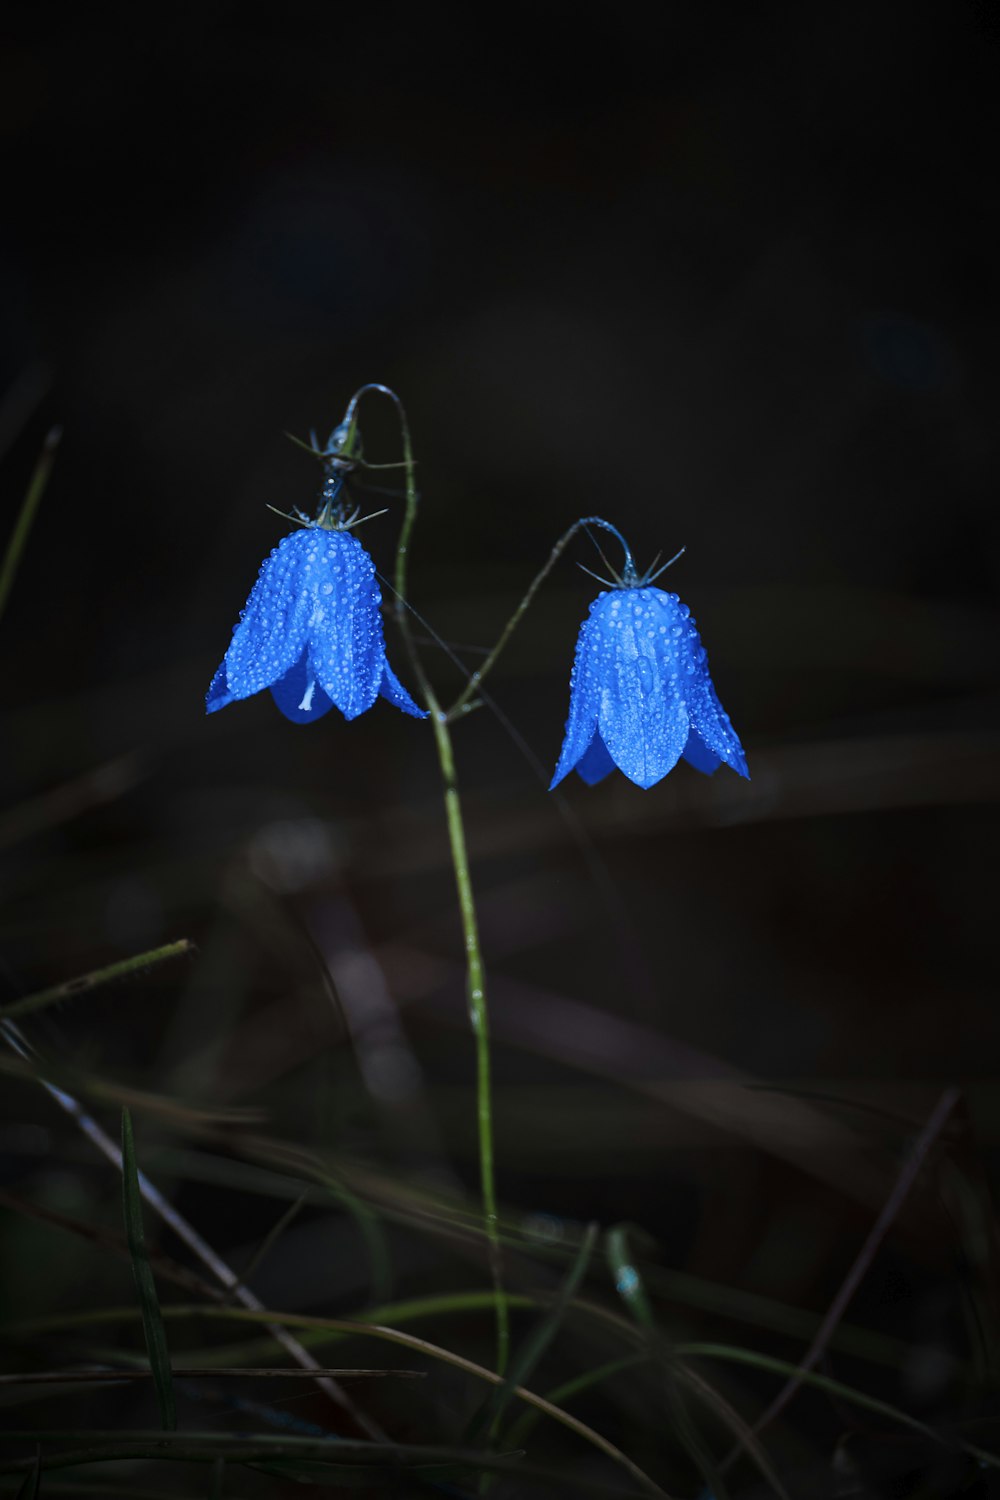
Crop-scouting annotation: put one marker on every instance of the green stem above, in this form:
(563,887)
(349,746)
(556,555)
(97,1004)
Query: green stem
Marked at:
(84,982)
(475,970)
(476,679)
(22,526)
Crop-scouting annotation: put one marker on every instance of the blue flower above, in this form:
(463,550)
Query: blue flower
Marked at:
(640,693)
(312,633)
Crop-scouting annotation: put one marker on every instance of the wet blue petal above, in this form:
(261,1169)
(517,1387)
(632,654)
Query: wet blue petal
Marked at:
(272,630)
(312,633)
(347,647)
(697,754)
(640,693)
(299,695)
(218,695)
(643,719)
(708,717)
(392,689)
(711,721)
(596,762)
(584,698)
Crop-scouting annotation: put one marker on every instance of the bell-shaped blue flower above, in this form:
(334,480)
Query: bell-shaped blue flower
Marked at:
(640,694)
(312,633)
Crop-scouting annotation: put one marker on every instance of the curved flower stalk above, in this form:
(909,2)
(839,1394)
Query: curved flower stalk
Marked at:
(311,631)
(641,697)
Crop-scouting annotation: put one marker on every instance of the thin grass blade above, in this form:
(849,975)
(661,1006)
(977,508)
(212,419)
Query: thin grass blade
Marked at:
(837,1388)
(741,1430)
(535,1345)
(528,1420)
(84,982)
(629,1286)
(344,1326)
(152,1320)
(371,1231)
(271,1239)
(31,1488)
(22,526)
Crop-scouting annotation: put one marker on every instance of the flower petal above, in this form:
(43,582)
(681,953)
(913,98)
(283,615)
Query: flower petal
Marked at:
(218,695)
(347,646)
(596,762)
(299,695)
(271,633)
(584,697)
(697,754)
(391,688)
(643,719)
(708,717)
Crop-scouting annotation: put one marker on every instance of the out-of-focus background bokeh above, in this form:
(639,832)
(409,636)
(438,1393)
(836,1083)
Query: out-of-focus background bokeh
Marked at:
(727,276)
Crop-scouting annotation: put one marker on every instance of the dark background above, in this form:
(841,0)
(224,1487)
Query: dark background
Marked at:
(726,275)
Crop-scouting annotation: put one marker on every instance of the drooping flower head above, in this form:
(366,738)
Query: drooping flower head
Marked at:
(641,697)
(311,630)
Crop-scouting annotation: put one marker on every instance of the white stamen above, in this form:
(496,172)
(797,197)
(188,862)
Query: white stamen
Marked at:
(307,702)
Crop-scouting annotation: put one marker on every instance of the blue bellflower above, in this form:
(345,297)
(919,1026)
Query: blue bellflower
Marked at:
(640,694)
(311,632)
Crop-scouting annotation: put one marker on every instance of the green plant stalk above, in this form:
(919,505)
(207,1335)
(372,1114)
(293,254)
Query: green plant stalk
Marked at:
(22,526)
(152,1320)
(475,681)
(479,1020)
(84,982)
(475,969)
(527,1357)
(440,720)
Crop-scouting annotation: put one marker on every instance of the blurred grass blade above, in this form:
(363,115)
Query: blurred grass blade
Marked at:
(529,1418)
(258,1350)
(271,1239)
(186,1232)
(535,1345)
(742,1431)
(629,1286)
(21,400)
(628,1282)
(152,1321)
(901,1189)
(31,1488)
(84,982)
(371,1231)
(344,1326)
(26,515)
(837,1388)
(337,1466)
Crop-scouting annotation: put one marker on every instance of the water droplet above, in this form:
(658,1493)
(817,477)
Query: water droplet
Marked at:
(627,1281)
